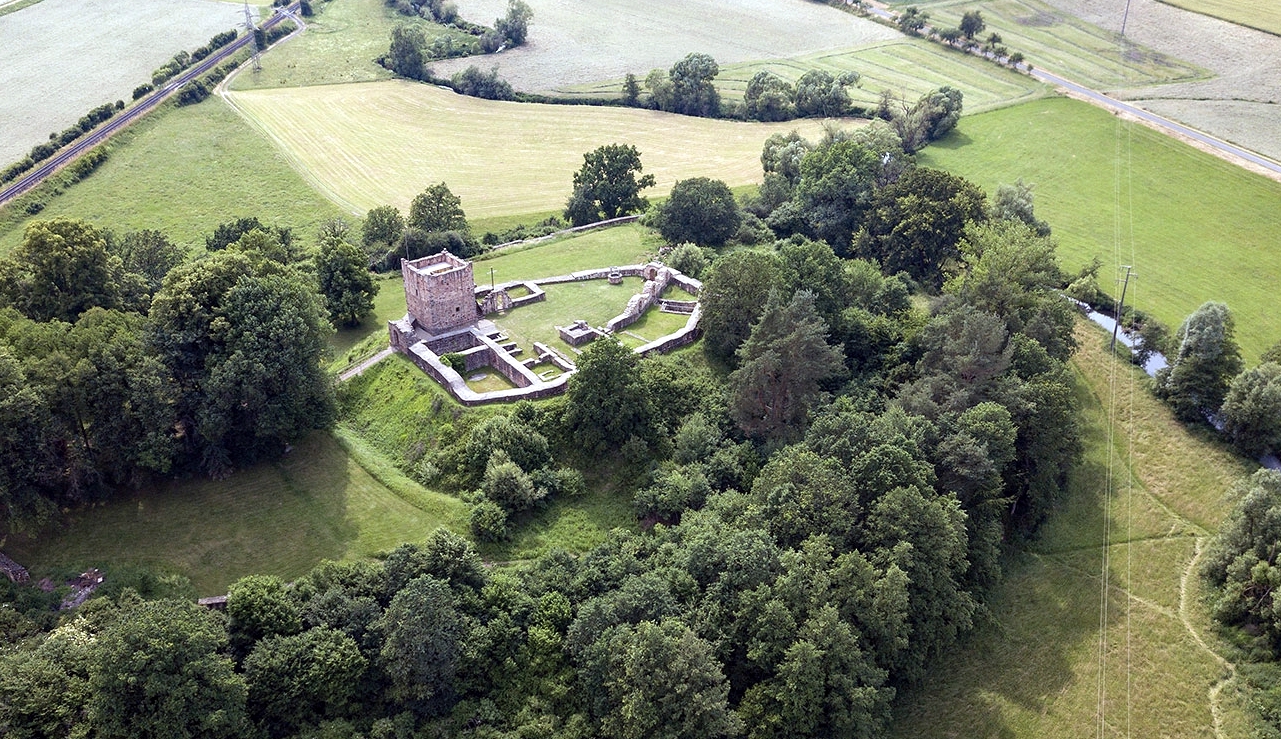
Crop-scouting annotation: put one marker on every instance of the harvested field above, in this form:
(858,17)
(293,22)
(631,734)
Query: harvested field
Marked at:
(384,142)
(573,44)
(1264,15)
(1076,49)
(1246,64)
(62,57)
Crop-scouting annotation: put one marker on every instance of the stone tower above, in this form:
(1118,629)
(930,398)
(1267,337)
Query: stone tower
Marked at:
(440,292)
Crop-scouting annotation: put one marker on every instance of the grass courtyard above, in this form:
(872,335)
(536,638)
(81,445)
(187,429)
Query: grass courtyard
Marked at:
(594,301)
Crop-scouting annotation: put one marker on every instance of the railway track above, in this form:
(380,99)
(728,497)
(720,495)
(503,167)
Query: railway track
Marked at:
(68,154)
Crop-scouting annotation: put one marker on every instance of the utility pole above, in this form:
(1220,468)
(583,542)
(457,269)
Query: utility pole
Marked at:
(1120,306)
(491,279)
(252,30)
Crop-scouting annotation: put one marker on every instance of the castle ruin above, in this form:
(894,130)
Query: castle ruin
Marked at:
(445,316)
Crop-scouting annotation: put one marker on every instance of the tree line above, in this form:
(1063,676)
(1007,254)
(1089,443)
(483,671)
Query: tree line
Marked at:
(120,359)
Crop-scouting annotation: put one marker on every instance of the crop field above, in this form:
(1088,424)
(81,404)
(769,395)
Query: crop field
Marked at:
(62,57)
(572,44)
(907,67)
(1033,670)
(1070,47)
(1239,102)
(1261,14)
(184,171)
(278,518)
(384,142)
(340,45)
(1195,227)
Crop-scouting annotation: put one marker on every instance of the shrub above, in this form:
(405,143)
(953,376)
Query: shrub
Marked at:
(488,521)
(142,89)
(688,259)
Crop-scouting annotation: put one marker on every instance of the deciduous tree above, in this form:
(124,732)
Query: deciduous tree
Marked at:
(916,224)
(608,185)
(733,296)
(345,282)
(768,97)
(1202,369)
(160,671)
(700,211)
(437,209)
(1251,412)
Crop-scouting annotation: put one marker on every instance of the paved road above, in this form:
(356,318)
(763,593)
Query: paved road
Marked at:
(68,153)
(1098,98)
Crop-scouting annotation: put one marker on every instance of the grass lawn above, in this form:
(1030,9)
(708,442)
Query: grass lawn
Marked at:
(279,518)
(183,171)
(1071,47)
(487,380)
(1195,227)
(377,143)
(340,45)
(594,301)
(1264,15)
(1033,669)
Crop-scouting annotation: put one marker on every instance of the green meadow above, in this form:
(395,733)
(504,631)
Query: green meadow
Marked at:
(330,498)
(182,171)
(1194,226)
(1082,635)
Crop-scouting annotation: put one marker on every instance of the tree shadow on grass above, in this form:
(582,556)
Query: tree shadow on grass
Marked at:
(279,517)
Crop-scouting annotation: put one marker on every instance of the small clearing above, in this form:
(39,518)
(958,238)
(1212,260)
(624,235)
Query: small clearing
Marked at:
(574,43)
(62,57)
(380,143)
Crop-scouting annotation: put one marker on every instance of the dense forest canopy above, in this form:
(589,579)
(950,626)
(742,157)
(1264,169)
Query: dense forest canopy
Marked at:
(822,521)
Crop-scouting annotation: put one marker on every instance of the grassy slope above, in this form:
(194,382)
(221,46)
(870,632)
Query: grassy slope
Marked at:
(1071,47)
(278,518)
(1197,227)
(1033,669)
(184,171)
(383,142)
(1263,15)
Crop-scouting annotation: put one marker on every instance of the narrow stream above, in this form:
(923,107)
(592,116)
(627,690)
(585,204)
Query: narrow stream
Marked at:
(1156,361)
